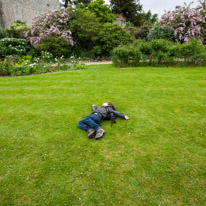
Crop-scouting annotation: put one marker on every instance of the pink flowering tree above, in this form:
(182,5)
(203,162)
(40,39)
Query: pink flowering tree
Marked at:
(53,23)
(186,22)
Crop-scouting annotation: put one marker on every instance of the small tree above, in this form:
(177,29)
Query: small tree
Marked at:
(158,32)
(84,26)
(102,11)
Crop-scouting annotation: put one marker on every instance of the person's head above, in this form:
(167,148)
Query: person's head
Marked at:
(108,104)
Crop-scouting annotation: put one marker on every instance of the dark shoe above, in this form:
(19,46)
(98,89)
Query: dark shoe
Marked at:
(100,133)
(91,133)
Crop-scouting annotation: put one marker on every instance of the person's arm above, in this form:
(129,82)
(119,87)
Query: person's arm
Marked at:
(120,114)
(94,108)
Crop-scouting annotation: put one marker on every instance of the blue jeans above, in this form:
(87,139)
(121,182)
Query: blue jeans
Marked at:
(90,121)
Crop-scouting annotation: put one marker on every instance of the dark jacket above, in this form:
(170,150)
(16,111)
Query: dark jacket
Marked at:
(105,112)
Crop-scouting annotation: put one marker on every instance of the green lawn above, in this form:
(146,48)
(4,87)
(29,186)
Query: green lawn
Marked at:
(158,157)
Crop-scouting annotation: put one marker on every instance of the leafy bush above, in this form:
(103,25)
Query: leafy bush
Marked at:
(84,27)
(126,56)
(13,46)
(3,33)
(102,11)
(17,29)
(160,53)
(142,31)
(110,36)
(192,52)
(56,46)
(160,49)
(46,57)
(93,38)
(79,66)
(144,47)
(158,32)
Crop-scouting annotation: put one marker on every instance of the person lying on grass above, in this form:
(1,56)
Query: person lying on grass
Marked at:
(91,123)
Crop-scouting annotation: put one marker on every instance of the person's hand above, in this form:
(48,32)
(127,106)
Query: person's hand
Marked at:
(126,117)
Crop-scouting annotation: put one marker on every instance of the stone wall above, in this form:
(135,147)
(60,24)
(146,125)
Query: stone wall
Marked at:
(24,10)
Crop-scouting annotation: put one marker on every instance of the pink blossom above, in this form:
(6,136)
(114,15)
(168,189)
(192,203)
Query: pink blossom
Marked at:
(53,23)
(186,22)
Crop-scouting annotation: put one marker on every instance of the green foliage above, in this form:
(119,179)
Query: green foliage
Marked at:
(79,66)
(8,67)
(3,33)
(84,27)
(126,56)
(102,11)
(93,38)
(192,52)
(57,46)
(144,47)
(17,29)
(158,32)
(162,52)
(110,36)
(160,49)
(26,65)
(142,31)
(130,9)
(13,46)
(46,57)
(148,18)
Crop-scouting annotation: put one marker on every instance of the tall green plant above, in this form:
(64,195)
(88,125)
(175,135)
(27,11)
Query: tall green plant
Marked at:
(159,32)
(102,11)
(108,37)
(84,26)
(3,33)
(17,29)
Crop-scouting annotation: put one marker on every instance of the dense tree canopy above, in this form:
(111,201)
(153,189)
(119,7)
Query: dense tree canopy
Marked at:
(130,9)
(102,11)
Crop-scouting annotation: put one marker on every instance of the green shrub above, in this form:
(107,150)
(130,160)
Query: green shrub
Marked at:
(144,47)
(160,53)
(17,29)
(79,66)
(158,32)
(56,46)
(13,46)
(102,11)
(3,33)
(126,56)
(93,38)
(110,36)
(142,31)
(160,50)
(84,26)
(192,51)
